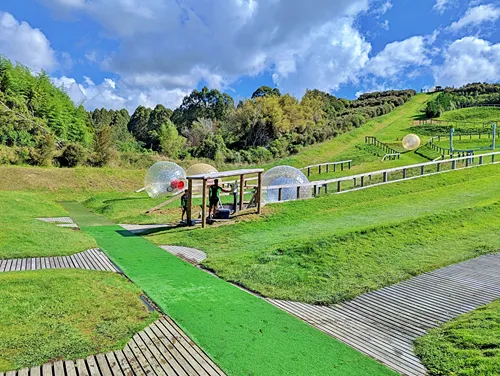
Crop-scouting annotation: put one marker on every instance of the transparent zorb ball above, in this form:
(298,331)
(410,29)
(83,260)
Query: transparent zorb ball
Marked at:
(199,169)
(164,179)
(411,142)
(285,175)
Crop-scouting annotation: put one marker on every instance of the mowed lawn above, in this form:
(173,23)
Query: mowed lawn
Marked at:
(23,235)
(65,314)
(338,246)
(473,114)
(56,314)
(466,346)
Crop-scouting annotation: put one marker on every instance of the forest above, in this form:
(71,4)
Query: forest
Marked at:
(40,125)
(467,96)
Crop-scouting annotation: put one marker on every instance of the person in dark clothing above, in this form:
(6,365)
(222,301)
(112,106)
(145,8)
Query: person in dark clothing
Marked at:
(184,204)
(214,196)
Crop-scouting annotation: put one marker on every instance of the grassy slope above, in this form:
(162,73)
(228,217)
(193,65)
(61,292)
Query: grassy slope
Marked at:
(58,314)
(307,251)
(24,236)
(468,345)
(473,114)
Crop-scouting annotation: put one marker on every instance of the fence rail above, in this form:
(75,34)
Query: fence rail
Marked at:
(485,124)
(325,167)
(376,178)
(386,148)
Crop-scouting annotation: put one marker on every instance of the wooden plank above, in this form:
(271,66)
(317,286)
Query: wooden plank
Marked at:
(103,365)
(59,368)
(188,363)
(225,174)
(88,260)
(92,366)
(81,367)
(170,329)
(153,362)
(97,260)
(124,364)
(47,369)
(141,360)
(114,365)
(23,264)
(23,372)
(3,264)
(169,353)
(35,371)
(134,362)
(69,365)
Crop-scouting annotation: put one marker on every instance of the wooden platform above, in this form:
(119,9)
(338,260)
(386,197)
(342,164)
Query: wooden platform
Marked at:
(161,349)
(191,255)
(92,259)
(383,324)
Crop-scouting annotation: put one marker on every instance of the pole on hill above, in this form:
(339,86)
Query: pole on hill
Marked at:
(493,144)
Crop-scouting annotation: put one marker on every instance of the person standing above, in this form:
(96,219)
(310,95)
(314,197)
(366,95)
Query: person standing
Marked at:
(214,197)
(184,204)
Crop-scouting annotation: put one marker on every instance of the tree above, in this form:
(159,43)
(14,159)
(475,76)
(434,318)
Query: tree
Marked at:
(104,147)
(170,142)
(266,91)
(139,124)
(208,104)
(158,118)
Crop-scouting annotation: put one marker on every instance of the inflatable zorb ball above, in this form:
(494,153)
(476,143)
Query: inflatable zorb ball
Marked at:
(200,168)
(411,142)
(163,179)
(285,175)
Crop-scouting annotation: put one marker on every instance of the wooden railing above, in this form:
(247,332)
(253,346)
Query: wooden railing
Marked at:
(376,178)
(386,148)
(325,167)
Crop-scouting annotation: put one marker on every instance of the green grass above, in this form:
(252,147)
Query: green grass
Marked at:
(466,346)
(65,314)
(244,334)
(24,236)
(337,246)
(473,114)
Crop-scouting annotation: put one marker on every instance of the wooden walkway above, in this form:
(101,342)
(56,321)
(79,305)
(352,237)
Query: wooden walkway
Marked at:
(191,255)
(383,324)
(92,259)
(161,349)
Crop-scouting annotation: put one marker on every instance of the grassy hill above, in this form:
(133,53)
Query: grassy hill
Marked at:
(473,114)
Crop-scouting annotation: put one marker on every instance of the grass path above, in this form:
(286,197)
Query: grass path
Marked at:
(244,334)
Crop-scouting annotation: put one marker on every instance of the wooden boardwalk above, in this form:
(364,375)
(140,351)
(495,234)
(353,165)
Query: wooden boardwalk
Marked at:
(191,255)
(161,349)
(383,324)
(92,259)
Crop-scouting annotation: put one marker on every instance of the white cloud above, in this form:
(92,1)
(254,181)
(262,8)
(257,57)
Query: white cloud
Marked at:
(172,44)
(397,56)
(20,42)
(477,16)
(468,60)
(385,25)
(442,5)
(385,7)
(117,95)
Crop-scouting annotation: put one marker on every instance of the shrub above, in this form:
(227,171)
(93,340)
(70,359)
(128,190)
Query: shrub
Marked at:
(72,156)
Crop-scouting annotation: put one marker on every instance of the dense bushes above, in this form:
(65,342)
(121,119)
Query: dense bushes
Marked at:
(466,96)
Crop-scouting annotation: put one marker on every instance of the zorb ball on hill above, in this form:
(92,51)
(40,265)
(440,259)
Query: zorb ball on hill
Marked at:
(163,179)
(284,175)
(411,142)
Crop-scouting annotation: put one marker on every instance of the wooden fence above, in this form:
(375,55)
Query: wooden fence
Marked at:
(325,167)
(386,148)
(371,179)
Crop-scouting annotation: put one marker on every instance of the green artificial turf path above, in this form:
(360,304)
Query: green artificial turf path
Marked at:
(244,334)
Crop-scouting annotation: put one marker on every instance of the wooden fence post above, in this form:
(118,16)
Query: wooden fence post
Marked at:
(298,193)
(339,186)
(385,177)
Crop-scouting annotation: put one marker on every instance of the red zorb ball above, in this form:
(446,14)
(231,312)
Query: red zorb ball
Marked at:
(180,185)
(174,184)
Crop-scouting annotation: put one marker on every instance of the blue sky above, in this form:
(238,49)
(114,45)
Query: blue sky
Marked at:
(124,53)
